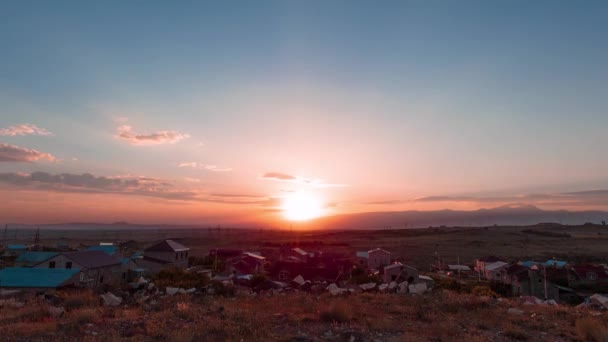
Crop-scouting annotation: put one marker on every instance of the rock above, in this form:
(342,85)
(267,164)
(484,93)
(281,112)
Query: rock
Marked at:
(418,288)
(172,290)
(181,291)
(299,280)
(515,312)
(192,290)
(151,286)
(368,286)
(392,285)
(109,299)
(403,286)
(335,290)
(599,301)
(383,287)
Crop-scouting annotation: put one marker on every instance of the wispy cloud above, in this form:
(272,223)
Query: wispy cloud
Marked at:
(24,129)
(591,198)
(284,177)
(126,133)
(201,166)
(11,153)
(120,185)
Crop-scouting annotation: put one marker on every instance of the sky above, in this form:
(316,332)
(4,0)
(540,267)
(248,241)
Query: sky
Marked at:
(217,112)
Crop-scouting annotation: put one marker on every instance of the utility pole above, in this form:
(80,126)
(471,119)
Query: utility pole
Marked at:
(37,237)
(545,275)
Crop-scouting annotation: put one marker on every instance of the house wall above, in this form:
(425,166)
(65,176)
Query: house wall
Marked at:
(179,259)
(91,278)
(377,259)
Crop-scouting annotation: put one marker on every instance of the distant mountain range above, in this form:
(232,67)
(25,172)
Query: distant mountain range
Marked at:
(519,215)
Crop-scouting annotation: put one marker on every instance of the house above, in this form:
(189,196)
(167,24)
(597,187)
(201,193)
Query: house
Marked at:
(32,258)
(480,264)
(512,273)
(458,269)
(588,276)
(38,278)
(15,250)
(298,254)
(492,271)
(163,255)
(399,272)
(378,258)
(96,267)
(532,282)
(110,249)
(555,263)
(362,257)
(247,263)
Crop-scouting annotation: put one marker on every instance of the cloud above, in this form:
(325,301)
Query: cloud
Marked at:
(196,165)
(589,198)
(317,183)
(278,176)
(11,153)
(87,183)
(24,129)
(126,133)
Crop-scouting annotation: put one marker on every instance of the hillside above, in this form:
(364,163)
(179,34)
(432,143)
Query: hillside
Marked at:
(439,316)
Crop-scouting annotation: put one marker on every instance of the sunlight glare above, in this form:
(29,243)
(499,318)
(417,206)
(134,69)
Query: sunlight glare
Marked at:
(301,206)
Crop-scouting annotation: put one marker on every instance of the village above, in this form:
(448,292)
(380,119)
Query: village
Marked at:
(119,269)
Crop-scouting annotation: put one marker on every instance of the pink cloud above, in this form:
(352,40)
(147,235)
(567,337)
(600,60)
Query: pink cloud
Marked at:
(126,133)
(11,153)
(196,165)
(317,183)
(24,129)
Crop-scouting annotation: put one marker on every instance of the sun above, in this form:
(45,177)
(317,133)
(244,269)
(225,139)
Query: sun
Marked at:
(301,206)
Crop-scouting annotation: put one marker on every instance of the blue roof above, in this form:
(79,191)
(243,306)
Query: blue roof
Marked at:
(528,263)
(16,246)
(137,255)
(35,277)
(31,256)
(125,261)
(105,248)
(556,263)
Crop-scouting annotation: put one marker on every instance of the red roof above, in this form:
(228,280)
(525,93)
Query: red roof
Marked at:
(583,270)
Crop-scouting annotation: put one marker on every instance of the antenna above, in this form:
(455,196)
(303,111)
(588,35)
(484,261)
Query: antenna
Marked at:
(37,237)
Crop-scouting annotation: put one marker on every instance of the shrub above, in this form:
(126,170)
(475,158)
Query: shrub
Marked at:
(338,312)
(483,291)
(77,300)
(177,277)
(591,329)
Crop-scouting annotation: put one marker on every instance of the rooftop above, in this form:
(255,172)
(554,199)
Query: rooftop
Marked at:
(495,265)
(35,257)
(167,246)
(92,259)
(378,250)
(35,277)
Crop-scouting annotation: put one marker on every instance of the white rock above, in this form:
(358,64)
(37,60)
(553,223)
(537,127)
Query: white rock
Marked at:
(368,286)
(392,285)
(383,287)
(109,299)
(299,280)
(417,288)
(514,311)
(335,290)
(172,290)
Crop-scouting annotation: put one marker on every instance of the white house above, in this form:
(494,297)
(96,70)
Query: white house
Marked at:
(378,258)
(96,267)
(163,255)
(493,271)
(400,272)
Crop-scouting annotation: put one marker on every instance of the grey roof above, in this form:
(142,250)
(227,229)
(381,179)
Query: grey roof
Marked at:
(92,259)
(167,246)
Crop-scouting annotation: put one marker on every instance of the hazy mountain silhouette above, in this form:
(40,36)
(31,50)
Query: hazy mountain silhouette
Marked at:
(513,214)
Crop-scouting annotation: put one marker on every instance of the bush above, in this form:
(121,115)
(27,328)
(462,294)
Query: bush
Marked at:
(483,291)
(591,329)
(338,312)
(177,277)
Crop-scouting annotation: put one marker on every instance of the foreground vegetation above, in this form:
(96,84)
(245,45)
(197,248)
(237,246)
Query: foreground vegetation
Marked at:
(440,316)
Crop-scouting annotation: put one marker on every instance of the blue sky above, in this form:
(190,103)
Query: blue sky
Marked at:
(398,99)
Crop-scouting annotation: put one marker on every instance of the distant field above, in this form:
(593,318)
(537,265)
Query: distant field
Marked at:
(418,247)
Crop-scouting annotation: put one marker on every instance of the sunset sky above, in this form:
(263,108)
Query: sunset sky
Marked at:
(219,112)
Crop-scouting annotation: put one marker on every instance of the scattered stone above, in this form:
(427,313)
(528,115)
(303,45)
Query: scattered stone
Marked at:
(172,290)
(418,288)
(109,299)
(515,312)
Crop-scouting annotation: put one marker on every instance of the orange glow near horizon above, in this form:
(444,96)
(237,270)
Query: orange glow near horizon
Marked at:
(302,206)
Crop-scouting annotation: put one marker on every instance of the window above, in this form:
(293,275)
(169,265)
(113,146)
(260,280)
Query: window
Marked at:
(176,256)
(101,280)
(124,275)
(68,265)
(51,264)
(591,275)
(81,276)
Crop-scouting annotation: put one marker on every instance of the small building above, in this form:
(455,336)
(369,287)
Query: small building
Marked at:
(163,255)
(493,271)
(588,276)
(362,257)
(247,263)
(480,264)
(39,279)
(399,272)
(459,269)
(298,254)
(96,267)
(532,282)
(32,258)
(15,250)
(378,258)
